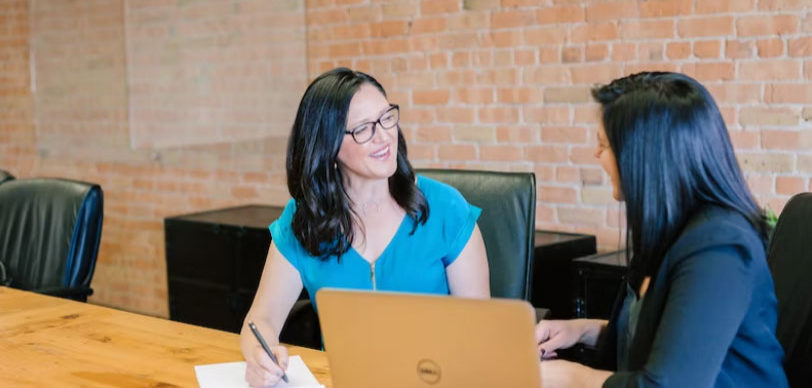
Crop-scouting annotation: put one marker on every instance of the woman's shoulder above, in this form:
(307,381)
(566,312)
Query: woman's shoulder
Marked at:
(715,226)
(439,192)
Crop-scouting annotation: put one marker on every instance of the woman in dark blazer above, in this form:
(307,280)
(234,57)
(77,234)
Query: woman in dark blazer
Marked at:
(699,307)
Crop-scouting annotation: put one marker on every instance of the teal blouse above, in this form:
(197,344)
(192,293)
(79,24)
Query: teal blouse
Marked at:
(411,262)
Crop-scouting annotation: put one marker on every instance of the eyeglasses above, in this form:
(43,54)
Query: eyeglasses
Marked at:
(364,132)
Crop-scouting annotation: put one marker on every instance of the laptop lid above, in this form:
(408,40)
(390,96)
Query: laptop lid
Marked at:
(382,339)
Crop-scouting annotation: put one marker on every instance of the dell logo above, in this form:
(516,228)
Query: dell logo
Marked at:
(428,371)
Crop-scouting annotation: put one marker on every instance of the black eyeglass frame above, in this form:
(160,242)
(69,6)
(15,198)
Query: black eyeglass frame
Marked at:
(362,126)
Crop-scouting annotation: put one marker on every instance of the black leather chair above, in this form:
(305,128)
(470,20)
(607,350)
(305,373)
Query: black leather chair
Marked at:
(790,260)
(49,235)
(5,176)
(507,223)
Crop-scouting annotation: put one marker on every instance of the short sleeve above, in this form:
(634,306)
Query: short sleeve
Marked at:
(283,237)
(452,212)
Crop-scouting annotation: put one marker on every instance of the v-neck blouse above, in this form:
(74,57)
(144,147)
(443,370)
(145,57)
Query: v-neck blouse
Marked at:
(411,262)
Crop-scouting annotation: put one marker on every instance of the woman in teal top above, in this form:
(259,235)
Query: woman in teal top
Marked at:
(358,217)
(413,261)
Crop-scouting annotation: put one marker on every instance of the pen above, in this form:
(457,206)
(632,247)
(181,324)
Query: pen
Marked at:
(267,349)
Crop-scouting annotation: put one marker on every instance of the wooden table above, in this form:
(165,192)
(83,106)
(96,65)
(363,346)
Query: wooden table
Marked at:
(48,341)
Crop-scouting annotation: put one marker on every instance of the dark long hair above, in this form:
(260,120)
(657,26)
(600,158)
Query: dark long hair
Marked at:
(673,156)
(323,219)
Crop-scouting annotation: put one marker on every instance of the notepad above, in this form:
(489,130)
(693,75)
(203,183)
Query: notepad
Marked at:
(232,375)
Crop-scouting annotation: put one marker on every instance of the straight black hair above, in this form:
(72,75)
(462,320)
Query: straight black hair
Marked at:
(323,219)
(674,156)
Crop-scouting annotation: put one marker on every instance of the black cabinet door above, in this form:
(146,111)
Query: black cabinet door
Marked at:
(214,261)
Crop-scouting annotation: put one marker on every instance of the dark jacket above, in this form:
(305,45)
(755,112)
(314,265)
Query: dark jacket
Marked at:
(708,318)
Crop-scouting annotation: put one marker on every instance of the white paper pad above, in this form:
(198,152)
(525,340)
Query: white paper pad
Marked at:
(232,375)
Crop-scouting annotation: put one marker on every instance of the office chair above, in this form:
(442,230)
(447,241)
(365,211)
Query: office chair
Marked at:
(49,235)
(507,223)
(790,260)
(5,176)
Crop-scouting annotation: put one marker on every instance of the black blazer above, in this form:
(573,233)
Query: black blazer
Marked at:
(708,319)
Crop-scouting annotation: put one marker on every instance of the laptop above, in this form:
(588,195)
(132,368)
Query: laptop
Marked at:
(398,340)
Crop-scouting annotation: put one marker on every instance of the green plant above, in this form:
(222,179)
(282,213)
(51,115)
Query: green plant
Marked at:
(770,217)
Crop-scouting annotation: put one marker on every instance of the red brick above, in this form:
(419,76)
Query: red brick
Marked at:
(773,117)
(597,52)
(707,49)
(782,5)
(563,14)
(524,57)
(567,95)
(545,35)
(664,8)
(597,73)
(567,174)
(732,93)
(506,38)
(646,29)
(428,7)
(468,21)
(572,54)
(786,185)
(651,51)
(735,49)
(520,95)
(788,94)
(513,18)
(568,135)
(503,153)
(710,71)
(705,26)
(553,194)
(455,115)
(428,25)
(580,216)
(612,10)
(456,152)
(474,95)
(432,134)
(498,114)
(430,97)
(624,52)
(766,25)
(770,70)
(770,48)
(546,154)
(724,6)
(678,50)
(785,140)
(800,47)
(558,115)
(746,139)
(594,32)
(480,5)
(516,134)
(766,162)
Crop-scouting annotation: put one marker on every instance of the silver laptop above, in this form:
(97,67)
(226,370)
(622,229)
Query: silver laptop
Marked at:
(381,339)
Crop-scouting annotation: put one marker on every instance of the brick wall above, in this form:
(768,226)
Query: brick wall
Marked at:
(482,84)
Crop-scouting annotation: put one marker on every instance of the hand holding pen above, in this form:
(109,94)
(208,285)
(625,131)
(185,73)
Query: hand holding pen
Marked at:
(281,352)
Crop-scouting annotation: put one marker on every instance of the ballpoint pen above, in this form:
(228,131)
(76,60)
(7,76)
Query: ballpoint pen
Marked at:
(267,349)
